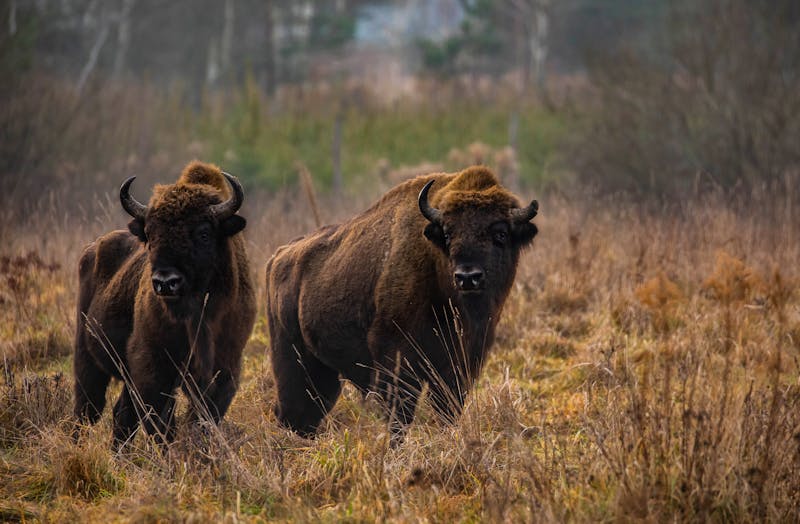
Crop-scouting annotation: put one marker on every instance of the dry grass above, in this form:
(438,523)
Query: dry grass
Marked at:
(646,369)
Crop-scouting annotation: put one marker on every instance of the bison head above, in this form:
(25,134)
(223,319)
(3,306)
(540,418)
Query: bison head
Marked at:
(185,229)
(481,234)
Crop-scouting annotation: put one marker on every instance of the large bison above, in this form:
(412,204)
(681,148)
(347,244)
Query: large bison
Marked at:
(408,292)
(170,302)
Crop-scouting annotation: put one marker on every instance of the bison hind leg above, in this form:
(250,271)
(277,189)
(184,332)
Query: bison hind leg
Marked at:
(91,383)
(307,388)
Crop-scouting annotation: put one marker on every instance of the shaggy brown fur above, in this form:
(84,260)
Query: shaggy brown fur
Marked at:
(376,302)
(194,338)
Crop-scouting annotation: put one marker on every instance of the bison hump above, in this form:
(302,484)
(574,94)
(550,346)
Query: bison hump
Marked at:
(110,252)
(201,173)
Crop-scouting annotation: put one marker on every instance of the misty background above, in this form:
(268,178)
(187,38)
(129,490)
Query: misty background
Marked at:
(656,97)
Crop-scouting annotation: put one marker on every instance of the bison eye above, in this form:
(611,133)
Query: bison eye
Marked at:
(446,239)
(500,237)
(203,234)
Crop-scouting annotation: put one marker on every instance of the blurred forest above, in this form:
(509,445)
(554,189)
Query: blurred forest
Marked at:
(658,97)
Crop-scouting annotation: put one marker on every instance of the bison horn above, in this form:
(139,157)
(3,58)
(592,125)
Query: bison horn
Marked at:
(231,206)
(133,207)
(429,212)
(525,213)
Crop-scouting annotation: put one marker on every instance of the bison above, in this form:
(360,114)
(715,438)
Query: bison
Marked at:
(169,302)
(408,292)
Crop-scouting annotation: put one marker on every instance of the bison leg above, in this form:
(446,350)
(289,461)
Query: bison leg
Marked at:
(125,419)
(400,391)
(157,412)
(307,388)
(159,420)
(91,383)
(213,402)
(153,403)
(222,393)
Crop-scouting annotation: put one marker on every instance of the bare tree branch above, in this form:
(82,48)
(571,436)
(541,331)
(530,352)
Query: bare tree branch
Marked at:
(102,36)
(12,18)
(123,36)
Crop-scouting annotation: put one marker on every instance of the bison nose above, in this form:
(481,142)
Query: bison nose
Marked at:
(468,278)
(168,282)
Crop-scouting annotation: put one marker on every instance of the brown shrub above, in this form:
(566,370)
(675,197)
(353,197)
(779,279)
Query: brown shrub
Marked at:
(733,281)
(661,297)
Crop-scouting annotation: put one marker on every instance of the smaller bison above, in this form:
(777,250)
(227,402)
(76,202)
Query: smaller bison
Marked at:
(407,293)
(170,302)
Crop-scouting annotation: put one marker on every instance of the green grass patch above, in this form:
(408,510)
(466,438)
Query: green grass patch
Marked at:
(263,149)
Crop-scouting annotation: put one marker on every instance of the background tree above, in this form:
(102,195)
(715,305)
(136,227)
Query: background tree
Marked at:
(719,106)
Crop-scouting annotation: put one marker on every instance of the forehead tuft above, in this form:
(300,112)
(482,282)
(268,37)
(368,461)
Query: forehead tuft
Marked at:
(178,201)
(475,187)
(199,186)
(200,173)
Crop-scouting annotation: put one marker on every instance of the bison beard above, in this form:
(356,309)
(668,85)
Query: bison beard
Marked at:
(407,293)
(169,302)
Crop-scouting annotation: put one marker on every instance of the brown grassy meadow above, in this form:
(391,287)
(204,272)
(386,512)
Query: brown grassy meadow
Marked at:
(646,369)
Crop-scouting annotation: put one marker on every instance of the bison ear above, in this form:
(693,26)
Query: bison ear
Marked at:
(232,225)
(523,233)
(136,226)
(435,234)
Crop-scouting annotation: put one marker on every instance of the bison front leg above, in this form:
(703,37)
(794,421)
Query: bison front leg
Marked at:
(125,420)
(209,399)
(221,395)
(399,389)
(197,382)
(155,412)
(228,364)
(147,398)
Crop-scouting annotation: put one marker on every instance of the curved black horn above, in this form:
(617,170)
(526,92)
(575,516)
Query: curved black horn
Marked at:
(231,206)
(431,213)
(524,214)
(133,207)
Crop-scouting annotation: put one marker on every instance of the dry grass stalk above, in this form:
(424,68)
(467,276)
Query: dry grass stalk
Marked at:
(609,396)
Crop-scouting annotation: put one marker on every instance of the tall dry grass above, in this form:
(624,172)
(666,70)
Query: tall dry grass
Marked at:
(646,368)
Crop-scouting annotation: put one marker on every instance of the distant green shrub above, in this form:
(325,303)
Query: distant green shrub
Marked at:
(263,149)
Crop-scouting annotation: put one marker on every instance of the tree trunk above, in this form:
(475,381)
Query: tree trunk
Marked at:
(123,37)
(512,178)
(12,18)
(538,49)
(226,41)
(336,149)
(94,53)
(212,62)
(270,69)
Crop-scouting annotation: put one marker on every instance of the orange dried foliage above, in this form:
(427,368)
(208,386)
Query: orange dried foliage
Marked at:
(660,296)
(659,293)
(732,280)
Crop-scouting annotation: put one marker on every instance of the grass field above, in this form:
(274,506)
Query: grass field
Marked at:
(646,368)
